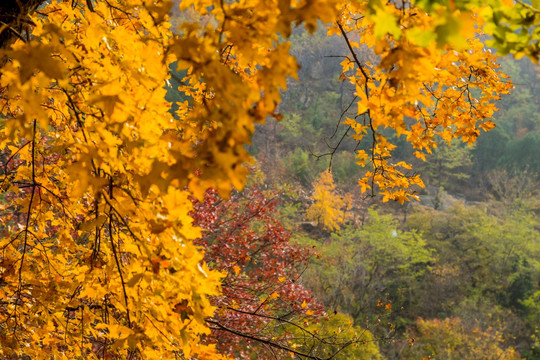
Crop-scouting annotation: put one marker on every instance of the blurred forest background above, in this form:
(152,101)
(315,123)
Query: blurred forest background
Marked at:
(454,276)
(461,268)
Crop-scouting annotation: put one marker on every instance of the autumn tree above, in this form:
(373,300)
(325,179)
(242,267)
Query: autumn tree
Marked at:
(262,296)
(329,208)
(97,252)
(88,229)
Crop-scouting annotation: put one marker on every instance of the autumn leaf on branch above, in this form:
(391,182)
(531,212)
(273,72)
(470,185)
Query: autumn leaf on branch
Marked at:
(424,90)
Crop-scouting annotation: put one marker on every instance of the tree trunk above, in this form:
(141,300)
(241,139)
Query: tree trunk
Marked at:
(14,19)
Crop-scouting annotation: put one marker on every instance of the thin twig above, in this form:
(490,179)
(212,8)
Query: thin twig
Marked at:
(115,253)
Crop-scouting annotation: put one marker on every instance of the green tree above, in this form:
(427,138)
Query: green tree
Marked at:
(449,166)
(479,256)
(362,265)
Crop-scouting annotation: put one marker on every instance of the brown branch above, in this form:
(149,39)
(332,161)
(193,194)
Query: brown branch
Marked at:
(122,220)
(358,63)
(115,253)
(90,6)
(366,90)
(17,11)
(28,213)
(279,319)
(343,113)
(6,163)
(219,326)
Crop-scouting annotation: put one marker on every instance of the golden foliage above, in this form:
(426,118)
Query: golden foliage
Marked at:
(421,89)
(97,253)
(328,208)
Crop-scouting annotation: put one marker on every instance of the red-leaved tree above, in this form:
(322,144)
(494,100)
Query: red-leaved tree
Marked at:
(263,301)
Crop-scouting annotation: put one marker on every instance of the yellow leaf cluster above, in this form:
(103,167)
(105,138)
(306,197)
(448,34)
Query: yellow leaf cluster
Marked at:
(422,89)
(329,207)
(97,256)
